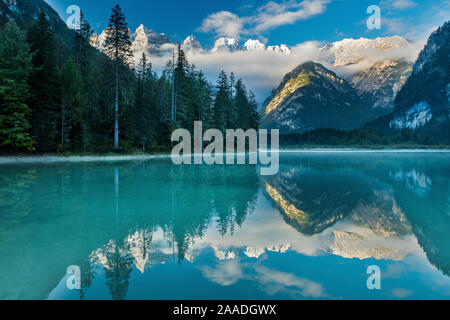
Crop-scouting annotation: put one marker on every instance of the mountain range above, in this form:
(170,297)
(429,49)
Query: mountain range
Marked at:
(152,43)
(395,93)
(373,86)
(424,100)
(314,97)
(352,82)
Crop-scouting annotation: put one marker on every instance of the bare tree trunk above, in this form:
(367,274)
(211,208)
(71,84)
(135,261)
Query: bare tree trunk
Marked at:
(63,118)
(116,114)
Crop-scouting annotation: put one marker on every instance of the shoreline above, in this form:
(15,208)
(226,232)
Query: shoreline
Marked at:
(24,159)
(52,158)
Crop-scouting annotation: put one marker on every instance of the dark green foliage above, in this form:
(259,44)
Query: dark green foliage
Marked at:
(15,68)
(222,103)
(430,75)
(184,114)
(118,43)
(366,137)
(65,95)
(118,48)
(245,114)
(428,83)
(82,48)
(74,107)
(26,12)
(145,115)
(44,84)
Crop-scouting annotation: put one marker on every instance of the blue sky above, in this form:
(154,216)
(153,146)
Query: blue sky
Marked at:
(304,25)
(274,22)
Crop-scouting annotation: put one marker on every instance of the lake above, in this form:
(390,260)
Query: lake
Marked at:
(153,230)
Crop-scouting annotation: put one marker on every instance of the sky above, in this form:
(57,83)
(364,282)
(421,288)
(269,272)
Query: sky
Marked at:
(301,24)
(273,22)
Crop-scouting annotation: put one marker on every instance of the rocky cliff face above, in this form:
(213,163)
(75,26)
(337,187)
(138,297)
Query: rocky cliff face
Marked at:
(143,40)
(373,72)
(380,83)
(423,102)
(25,12)
(384,68)
(312,97)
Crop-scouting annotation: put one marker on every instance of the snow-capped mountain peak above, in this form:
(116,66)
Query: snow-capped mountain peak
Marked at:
(141,28)
(279,49)
(254,45)
(191,43)
(226,44)
(351,51)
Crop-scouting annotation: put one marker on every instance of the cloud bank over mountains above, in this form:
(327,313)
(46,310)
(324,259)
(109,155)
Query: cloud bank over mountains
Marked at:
(241,47)
(262,70)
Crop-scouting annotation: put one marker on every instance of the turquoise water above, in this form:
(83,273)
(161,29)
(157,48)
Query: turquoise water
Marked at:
(152,230)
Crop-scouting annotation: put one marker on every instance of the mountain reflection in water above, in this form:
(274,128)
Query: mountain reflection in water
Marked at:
(155,230)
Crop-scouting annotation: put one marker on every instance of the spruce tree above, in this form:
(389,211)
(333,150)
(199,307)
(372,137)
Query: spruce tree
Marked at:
(101,84)
(74,107)
(144,114)
(241,106)
(15,68)
(118,48)
(44,84)
(82,47)
(183,112)
(254,115)
(222,103)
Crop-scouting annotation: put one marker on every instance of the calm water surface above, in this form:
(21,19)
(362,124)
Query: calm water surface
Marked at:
(152,230)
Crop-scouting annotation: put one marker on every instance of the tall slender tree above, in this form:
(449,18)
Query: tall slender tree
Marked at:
(15,68)
(81,47)
(241,107)
(253,110)
(143,113)
(183,114)
(118,48)
(222,103)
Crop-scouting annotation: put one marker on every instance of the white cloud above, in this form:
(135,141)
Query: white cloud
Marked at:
(268,16)
(274,14)
(401,293)
(223,23)
(403,4)
(262,71)
(398,4)
(271,281)
(225,273)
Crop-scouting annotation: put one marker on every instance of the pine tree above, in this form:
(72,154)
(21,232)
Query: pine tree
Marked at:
(241,106)
(74,107)
(254,115)
(102,86)
(82,48)
(245,108)
(144,113)
(44,84)
(222,103)
(202,96)
(15,68)
(183,112)
(163,106)
(118,48)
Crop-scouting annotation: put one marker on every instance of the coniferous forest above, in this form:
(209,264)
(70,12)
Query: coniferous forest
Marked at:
(66,96)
